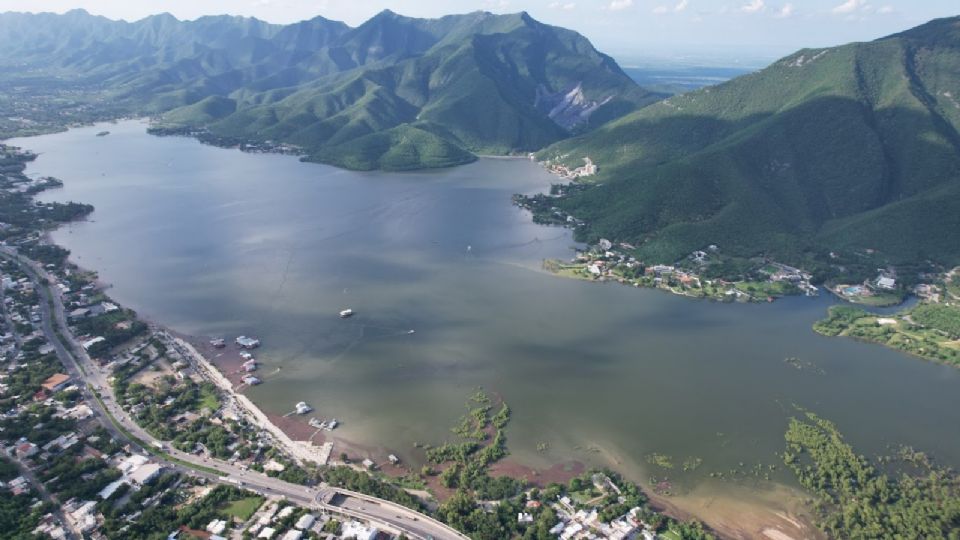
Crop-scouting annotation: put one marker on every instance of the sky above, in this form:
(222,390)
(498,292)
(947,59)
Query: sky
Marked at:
(696,31)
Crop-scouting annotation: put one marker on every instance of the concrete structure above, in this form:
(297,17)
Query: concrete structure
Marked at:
(146,473)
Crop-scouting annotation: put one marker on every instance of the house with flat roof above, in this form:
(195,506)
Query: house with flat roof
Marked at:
(145,474)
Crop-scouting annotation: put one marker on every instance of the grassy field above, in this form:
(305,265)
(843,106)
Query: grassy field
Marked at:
(876,300)
(209,400)
(244,508)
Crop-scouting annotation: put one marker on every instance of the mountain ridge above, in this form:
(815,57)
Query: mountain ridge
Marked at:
(458,85)
(808,155)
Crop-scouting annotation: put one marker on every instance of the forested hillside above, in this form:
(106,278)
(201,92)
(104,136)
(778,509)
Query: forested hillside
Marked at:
(853,147)
(395,92)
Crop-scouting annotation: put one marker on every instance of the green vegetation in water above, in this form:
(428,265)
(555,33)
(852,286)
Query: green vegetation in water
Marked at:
(803,365)
(908,498)
(660,460)
(930,331)
(467,461)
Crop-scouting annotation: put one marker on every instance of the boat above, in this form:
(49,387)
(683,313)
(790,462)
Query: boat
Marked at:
(332,424)
(303,408)
(248,342)
(346,313)
(103,134)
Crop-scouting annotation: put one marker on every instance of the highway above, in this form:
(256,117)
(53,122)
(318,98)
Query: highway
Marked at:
(385,515)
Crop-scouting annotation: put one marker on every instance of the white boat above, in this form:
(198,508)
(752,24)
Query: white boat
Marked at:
(248,342)
(332,424)
(303,408)
(346,313)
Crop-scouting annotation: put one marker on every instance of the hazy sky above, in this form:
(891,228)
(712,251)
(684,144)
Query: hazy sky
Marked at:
(628,29)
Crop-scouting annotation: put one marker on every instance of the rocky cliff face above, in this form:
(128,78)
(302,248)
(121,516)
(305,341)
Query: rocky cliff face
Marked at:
(569,108)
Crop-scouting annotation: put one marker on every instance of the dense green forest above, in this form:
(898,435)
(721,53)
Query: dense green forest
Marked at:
(394,93)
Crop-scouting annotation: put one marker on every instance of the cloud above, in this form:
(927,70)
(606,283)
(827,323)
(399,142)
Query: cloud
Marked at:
(754,6)
(885,10)
(617,5)
(565,6)
(785,11)
(849,7)
(677,8)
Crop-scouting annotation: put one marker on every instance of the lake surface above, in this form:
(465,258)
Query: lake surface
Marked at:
(215,242)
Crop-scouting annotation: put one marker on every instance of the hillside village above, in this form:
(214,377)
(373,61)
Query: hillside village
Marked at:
(688,277)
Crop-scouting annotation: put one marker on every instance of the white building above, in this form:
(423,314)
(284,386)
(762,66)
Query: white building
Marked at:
(305,522)
(887,283)
(145,474)
(292,534)
(355,529)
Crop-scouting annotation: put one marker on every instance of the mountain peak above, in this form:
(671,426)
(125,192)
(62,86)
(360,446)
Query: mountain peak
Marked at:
(386,13)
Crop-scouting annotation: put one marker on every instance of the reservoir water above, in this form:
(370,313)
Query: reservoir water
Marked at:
(215,242)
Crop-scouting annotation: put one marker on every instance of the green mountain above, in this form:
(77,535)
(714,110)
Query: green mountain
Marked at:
(846,148)
(395,92)
(476,83)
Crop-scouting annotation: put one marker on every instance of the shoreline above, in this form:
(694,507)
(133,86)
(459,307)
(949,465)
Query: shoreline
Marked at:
(225,370)
(292,434)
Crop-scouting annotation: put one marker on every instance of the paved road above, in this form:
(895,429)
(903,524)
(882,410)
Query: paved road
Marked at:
(81,367)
